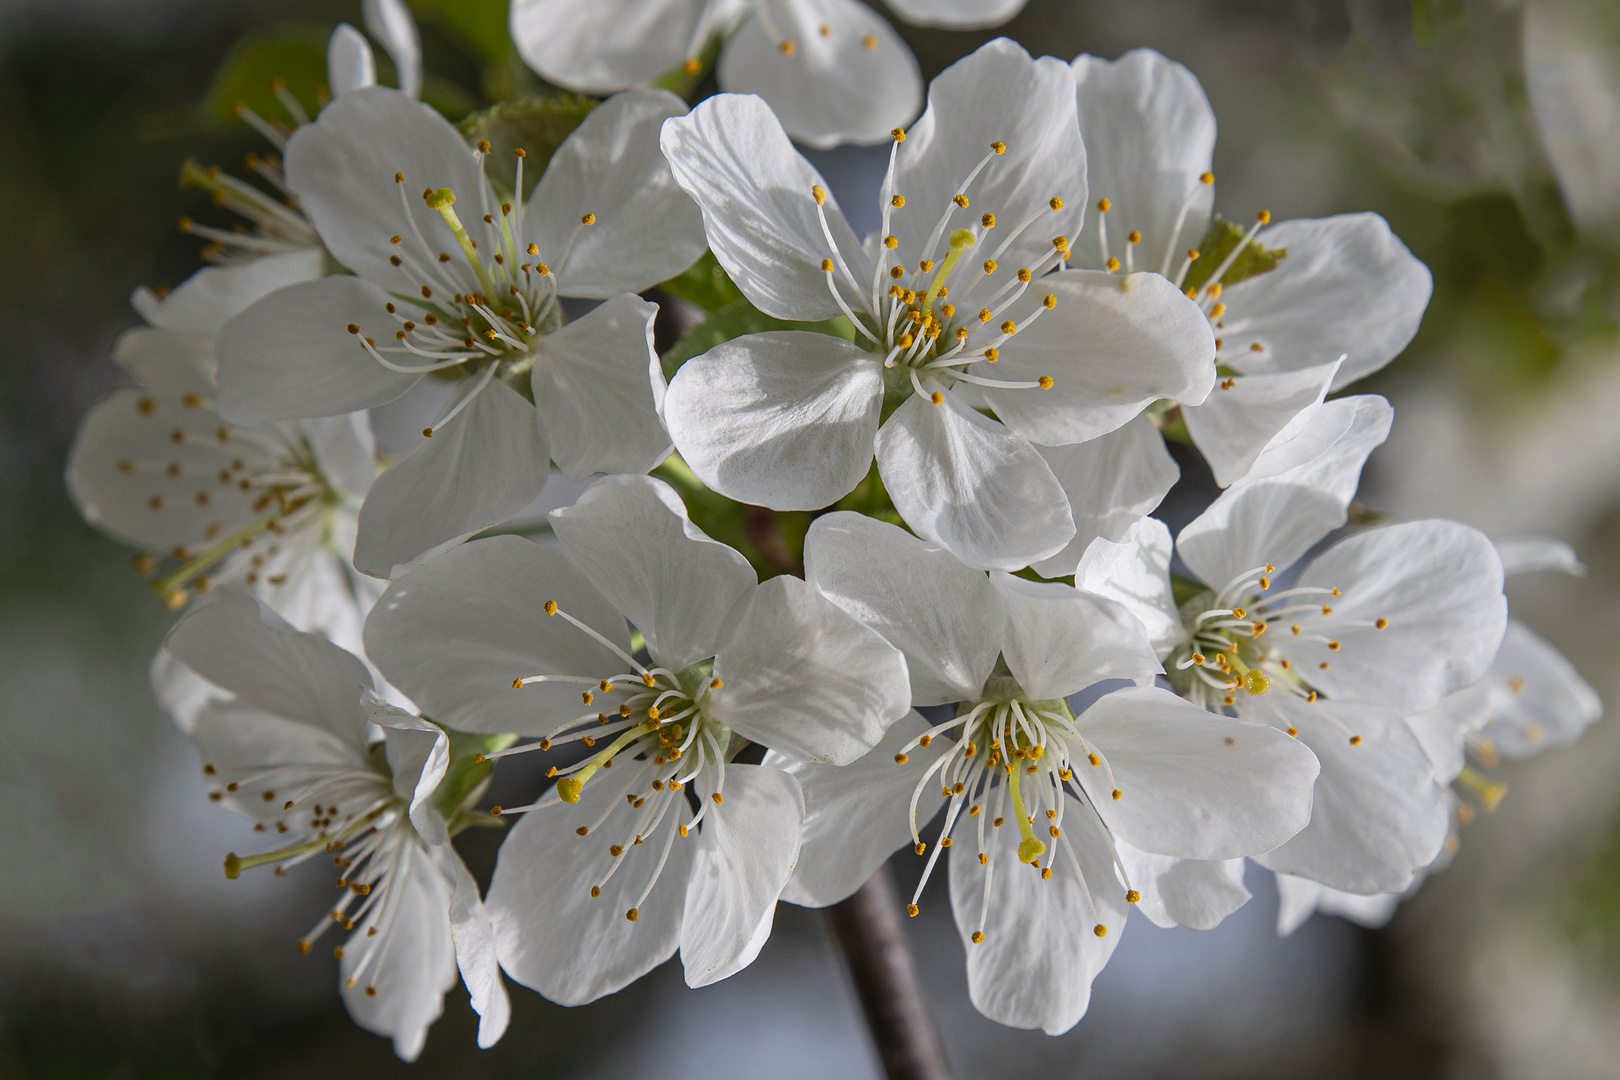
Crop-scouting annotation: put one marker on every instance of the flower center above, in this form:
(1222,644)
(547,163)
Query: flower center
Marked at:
(1013,755)
(479,312)
(250,504)
(937,314)
(659,722)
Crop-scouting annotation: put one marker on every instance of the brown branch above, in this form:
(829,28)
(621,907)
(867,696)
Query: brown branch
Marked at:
(868,931)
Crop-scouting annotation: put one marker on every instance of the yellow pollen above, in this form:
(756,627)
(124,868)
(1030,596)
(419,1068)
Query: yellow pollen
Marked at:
(1118,794)
(978,935)
(692,65)
(925,266)
(1192,254)
(989,266)
(891,242)
(717,799)
(818,193)
(1025,276)
(911,909)
(999,147)
(1133,237)
(1060,242)
(1217,311)
(992,355)
(587,219)
(897,201)
(960,200)
(551,607)
(1113,263)
(1382,624)
(919,847)
(826,266)
(715,684)
(1045,382)
(1355,740)
(1206,178)
(1264,217)
(1049,302)
(937,398)
(897,134)
(1103,205)
(648,680)
(1100,930)
(1009,327)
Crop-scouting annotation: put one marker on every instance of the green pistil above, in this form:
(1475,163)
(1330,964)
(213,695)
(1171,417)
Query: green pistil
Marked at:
(1031,847)
(235,864)
(442,200)
(961,240)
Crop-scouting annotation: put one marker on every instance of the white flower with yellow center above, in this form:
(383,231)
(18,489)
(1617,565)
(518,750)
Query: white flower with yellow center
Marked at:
(1044,810)
(834,71)
(268,506)
(1347,288)
(286,746)
(655,841)
(955,308)
(452,283)
(1379,627)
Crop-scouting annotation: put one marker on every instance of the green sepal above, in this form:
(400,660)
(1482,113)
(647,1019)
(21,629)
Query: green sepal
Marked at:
(705,284)
(1217,244)
(685,83)
(466,776)
(1185,588)
(294,53)
(737,319)
(537,125)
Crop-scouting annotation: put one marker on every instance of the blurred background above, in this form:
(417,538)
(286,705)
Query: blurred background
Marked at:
(1487,132)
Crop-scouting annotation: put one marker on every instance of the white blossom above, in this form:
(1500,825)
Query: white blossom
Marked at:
(452,282)
(954,307)
(612,870)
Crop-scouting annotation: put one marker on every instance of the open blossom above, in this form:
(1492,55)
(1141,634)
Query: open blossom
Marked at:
(1044,809)
(955,307)
(614,869)
(1530,700)
(1379,627)
(1347,288)
(287,748)
(834,71)
(454,282)
(268,506)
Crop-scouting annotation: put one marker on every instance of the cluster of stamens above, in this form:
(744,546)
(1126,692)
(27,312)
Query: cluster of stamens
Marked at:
(657,721)
(1010,754)
(931,323)
(469,314)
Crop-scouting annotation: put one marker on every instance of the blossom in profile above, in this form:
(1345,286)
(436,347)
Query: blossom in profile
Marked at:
(656,840)
(834,71)
(454,282)
(286,747)
(1045,811)
(270,506)
(1298,309)
(955,309)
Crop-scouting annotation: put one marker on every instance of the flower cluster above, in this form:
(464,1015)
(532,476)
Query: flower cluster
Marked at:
(994,655)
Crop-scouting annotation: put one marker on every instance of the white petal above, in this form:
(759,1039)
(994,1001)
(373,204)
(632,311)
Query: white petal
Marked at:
(732,156)
(1136,573)
(484,465)
(917,596)
(1379,816)
(1348,286)
(1574,85)
(1538,699)
(202,303)
(1058,640)
(1195,893)
(1041,952)
(631,538)
(1236,421)
(591,384)
(784,419)
(1297,899)
(345,451)
(454,633)
(848,77)
(390,22)
(474,938)
(957,14)
(1443,731)
(1112,346)
(1524,554)
(418,754)
(857,815)
(245,745)
(170,363)
(552,935)
(414,961)
(290,356)
(342,168)
(1195,784)
(1278,517)
(601,47)
(1112,482)
(1440,586)
(1370,911)
(743,859)
(1150,135)
(996,94)
(349,63)
(972,485)
(646,228)
(182,692)
(239,645)
(806,679)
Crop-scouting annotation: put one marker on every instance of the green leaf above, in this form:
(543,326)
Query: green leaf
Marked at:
(293,53)
(536,125)
(704,283)
(733,321)
(1223,236)
(482,24)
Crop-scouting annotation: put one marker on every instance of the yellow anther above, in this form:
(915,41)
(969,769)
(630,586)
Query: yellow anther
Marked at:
(901,759)
(919,847)
(1240,613)
(1255,346)
(897,200)
(692,65)
(869,42)
(1102,204)
(1049,301)
(1132,896)
(1334,646)
(1264,217)
(517,684)
(1206,178)
(586,697)
(897,134)
(826,266)
(648,680)
(1045,382)
(717,798)
(891,242)
(632,915)
(937,398)
(1009,327)
(1024,275)
(1061,243)
(818,193)
(1118,794)
(551,607)
(925,266)
(978,935)
(1133,237)
(1113,263)
(1382,624)
(999,147)
(1355,740)
(1100,930)
(1214,291)
(1094,759)
(715,684)
(960,200)
(989,266)
(785,47)
(988,220)
(1217,311)
(911,909)
(587,218)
